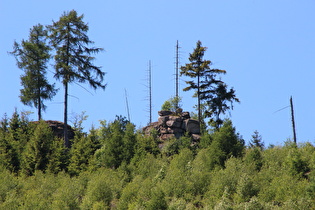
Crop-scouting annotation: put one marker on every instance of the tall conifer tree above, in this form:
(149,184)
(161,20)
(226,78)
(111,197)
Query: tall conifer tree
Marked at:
(32,56)
(73,59)
(200,69)
(212,93)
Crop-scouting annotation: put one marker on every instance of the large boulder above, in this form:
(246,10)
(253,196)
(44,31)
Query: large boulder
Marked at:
(192,126)
(175,130)
(174,123)
(162,120)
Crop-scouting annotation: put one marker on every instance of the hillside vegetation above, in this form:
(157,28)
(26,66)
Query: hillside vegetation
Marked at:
(116,167)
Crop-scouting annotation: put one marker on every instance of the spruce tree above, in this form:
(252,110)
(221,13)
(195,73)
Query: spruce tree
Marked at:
(32,56)
(200,69)
(256,141)
(8,154)
(36,155)
(212,93)
(73,58)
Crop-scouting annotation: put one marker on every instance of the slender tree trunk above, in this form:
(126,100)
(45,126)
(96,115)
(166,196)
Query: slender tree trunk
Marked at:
(65,129)
(39,95)
(39,111)
(198,93)
(293,122)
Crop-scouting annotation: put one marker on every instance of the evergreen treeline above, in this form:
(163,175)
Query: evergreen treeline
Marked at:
(116,167)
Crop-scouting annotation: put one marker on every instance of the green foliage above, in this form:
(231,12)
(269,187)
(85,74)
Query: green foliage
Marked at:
(216,101)
(8,184)
(221,173)
(80,154)
(230,141)
(256,141)
(58,157)
(98,195)
(68,37)
(8,153)
(157,200)
(295,164)
(38,150)
(174,146)
(73,59)
(148,166)
(206,140)
(70,191)
(254,157)
(82,151)
(146,144)
(177,181)
(172,104)
(77,122)
(198,68)
(166,106)
(14,135)
(32,57)
(118,140)
(213,94)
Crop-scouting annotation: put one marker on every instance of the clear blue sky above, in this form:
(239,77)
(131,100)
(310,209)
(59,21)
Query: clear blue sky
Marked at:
(267,48)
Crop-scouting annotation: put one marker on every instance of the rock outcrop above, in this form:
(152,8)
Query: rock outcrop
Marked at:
(57,128)
(174,125)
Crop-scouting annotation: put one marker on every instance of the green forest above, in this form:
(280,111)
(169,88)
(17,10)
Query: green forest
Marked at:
(116,166)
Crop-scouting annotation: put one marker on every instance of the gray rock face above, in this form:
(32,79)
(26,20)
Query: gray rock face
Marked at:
(174,125)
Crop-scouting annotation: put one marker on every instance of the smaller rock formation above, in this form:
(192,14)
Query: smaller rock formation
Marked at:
(174,125)
(57,128)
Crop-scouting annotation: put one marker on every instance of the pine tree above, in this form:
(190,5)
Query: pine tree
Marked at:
(73,59)
(32,56)
(200,69)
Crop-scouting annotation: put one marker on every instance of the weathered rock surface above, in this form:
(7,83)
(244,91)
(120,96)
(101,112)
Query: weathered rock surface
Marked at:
(164,113)
(185,115)
(192,126)
(174,125)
